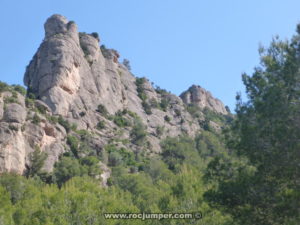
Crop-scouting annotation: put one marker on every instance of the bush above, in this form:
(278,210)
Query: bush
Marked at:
(36,119)
(105,52)
(29,102)
(176,151)
(91,166)
(167,118)
(177,112)
(160,91)
(52,119)
(102,110)
(140,88)
(66,124)
(12,99)
(164,104)
(70,23)
(126,63)
(159,131)
(154,103)
(194,110)
(138,133)
(114,159)
(30,95)
(20,89)
(121,121)
(101,125)
(147,108)
(82,114)
(42,109)
(3,87)
(205,124)
(37,159)
(95,35)
(73,142)
(65,169)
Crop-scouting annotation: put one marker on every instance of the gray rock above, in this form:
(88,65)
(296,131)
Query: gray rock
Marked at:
(12,150)
(43,106)
(14,113)
(53,151)
(71,76)
(1,108)
(200,97)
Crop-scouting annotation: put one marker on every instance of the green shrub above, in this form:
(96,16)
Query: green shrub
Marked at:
(3,87)
(205,124)
(153,103)
(102,110)
(37,159)
(140,88)
(70,23)
(105,52)
(194,110)
(132,114)
(177,112)
(65,169)
(90,166)
(164,104)
(42,109)
(30,95)
(176,151)
(114,159)
(20,89)
(29,102)
(121,121)
(167,118)
(12,99)
(52,119)
(82,114)
(13,127)
(159,131)
(101,125)
(66,124)
(138,133)
(126,63)
(73,142)
(160,91)
(95,35)
(147,108)
(36,119)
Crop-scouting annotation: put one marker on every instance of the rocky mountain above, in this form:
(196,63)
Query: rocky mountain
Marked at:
(203,99)
(78,90)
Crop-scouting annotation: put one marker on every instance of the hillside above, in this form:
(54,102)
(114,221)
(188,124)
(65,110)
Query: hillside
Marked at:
(76,87)
(88,142)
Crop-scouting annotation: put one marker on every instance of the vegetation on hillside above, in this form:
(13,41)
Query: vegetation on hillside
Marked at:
(249,174)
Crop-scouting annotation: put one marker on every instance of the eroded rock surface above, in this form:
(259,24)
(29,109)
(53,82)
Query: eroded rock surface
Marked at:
(199,96)
(71,76)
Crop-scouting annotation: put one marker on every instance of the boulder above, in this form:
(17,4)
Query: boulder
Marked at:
(14,113)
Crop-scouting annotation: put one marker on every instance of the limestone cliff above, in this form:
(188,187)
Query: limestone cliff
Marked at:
(76,82)
(203,99)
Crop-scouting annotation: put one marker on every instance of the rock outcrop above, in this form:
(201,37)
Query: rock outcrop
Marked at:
(78,86)
(203,99)
(14,113)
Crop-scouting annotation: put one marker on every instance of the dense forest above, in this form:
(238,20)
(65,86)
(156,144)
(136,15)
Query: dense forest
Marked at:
(248,174)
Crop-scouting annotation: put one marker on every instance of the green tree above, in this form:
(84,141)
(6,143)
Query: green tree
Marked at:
(138,132)
(266,131)
(37,159)
(6,208)
(65,169)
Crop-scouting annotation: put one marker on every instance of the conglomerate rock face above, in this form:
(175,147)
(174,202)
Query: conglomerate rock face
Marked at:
(71,76)
(199,96)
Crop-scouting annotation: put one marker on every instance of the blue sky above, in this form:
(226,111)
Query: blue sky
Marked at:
(174,43)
